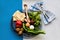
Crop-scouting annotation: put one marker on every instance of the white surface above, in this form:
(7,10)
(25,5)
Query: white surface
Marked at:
(53,29)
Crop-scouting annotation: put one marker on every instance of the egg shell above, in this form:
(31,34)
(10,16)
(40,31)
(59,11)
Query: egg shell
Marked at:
(31,27)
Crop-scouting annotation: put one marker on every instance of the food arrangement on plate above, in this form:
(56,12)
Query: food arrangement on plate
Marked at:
(27,22)
(29,25)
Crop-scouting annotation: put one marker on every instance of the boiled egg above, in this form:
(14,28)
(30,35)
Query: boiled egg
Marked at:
(31,26)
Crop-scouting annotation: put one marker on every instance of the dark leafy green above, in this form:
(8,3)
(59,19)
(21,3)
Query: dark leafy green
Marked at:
(36,31)
(36,17)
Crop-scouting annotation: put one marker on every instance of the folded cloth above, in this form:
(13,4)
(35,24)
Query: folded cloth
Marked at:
(50,15)
(43,18)
(47,16)
(37,6)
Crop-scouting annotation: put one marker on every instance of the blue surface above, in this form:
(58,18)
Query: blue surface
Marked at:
(7,8)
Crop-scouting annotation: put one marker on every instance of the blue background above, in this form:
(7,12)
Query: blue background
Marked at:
(7,8)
